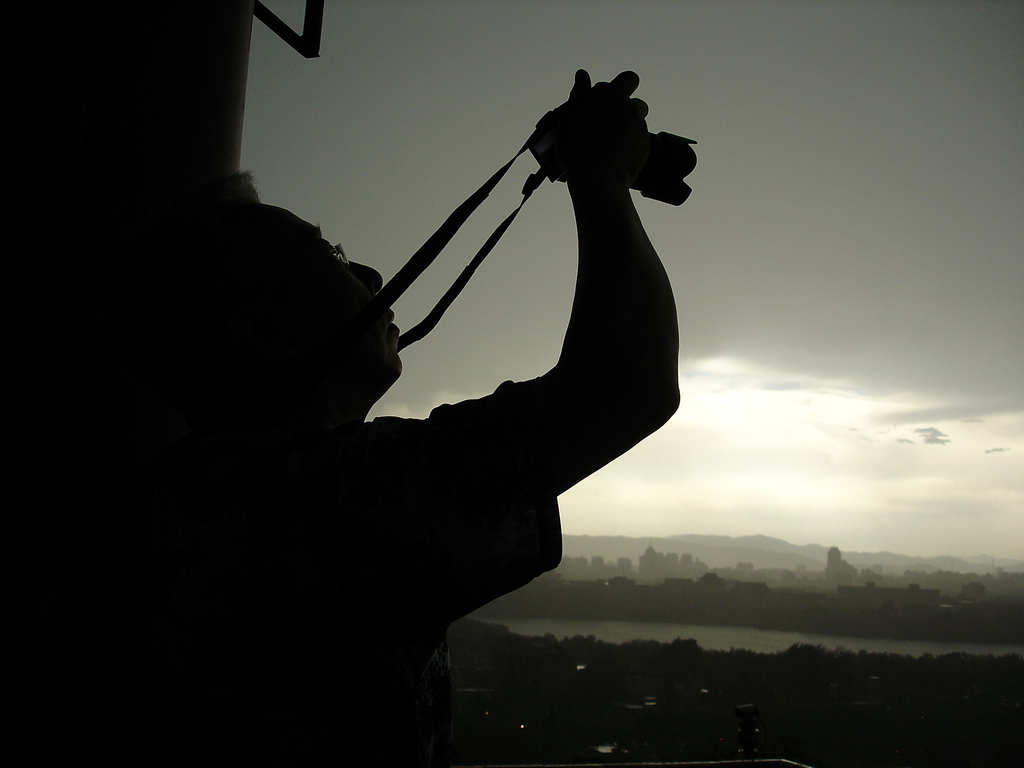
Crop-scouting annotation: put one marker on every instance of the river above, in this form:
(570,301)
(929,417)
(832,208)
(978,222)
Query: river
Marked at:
(726,638)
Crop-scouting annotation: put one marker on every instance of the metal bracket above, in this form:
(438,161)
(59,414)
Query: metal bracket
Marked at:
(308,43)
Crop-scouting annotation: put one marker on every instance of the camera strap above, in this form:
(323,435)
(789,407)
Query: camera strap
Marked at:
(425,326)
(419,262)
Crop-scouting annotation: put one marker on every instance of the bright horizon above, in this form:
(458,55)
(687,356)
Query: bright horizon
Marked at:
(806,459)
(849,269)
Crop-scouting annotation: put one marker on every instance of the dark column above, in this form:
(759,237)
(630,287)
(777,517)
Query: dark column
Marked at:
(123,105)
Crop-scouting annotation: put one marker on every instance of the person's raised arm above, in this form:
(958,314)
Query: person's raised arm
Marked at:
(616,380)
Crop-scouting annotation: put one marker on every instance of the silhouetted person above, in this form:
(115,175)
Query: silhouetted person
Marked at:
(302,564)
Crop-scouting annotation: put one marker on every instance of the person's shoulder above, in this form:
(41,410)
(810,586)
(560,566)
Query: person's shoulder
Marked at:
(508,399)
(450,427)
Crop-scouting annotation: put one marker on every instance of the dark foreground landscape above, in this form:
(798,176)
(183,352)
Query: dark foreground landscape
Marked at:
(550,701)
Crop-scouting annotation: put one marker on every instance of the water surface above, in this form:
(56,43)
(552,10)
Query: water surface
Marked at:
(726,638)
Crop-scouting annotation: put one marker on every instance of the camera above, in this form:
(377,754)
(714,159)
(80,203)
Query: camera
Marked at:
(671,160)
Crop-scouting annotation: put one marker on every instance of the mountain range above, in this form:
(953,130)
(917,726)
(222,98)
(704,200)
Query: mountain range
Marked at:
(767,552)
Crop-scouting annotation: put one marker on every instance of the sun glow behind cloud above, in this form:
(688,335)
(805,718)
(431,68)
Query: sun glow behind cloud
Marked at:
(755,450)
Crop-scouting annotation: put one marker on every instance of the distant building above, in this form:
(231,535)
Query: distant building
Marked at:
(711,580)
(574,568)
(652,565)
(835,558)
(837,570)
(973,591)
(687,567)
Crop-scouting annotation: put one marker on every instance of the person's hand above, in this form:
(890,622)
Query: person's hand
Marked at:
(602,134)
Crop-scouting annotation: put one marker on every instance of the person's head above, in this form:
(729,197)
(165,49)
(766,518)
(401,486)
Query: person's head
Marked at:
(226,305)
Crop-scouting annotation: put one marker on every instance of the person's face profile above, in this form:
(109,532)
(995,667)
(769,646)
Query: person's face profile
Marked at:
(347,289)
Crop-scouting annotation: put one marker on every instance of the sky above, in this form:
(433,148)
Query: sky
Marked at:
(849,269)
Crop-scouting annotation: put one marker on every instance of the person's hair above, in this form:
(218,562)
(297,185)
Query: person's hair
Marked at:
(176,281)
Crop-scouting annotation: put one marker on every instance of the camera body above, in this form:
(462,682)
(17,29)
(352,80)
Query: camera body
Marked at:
(671,159)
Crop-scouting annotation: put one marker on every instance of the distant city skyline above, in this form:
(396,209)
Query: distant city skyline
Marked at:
(848,269)
(769,552)
(840,599)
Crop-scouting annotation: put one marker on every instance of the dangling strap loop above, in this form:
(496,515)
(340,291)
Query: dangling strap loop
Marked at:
(427,324)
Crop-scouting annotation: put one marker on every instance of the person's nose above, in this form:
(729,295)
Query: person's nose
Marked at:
(368,276)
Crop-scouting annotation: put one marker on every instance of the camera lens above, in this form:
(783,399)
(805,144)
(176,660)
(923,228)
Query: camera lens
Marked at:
(671,159)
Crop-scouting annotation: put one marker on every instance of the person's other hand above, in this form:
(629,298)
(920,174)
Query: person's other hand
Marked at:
(602,133)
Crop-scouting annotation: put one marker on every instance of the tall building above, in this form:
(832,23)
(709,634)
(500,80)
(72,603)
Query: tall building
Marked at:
(835,558)
(652,565)
(837,570)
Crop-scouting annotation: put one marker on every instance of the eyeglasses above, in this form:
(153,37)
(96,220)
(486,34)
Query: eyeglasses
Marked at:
(339,253)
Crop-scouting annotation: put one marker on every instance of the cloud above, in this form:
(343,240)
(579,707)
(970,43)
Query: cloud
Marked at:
(744,454)
(963,411)
(932,436)
(997,450)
